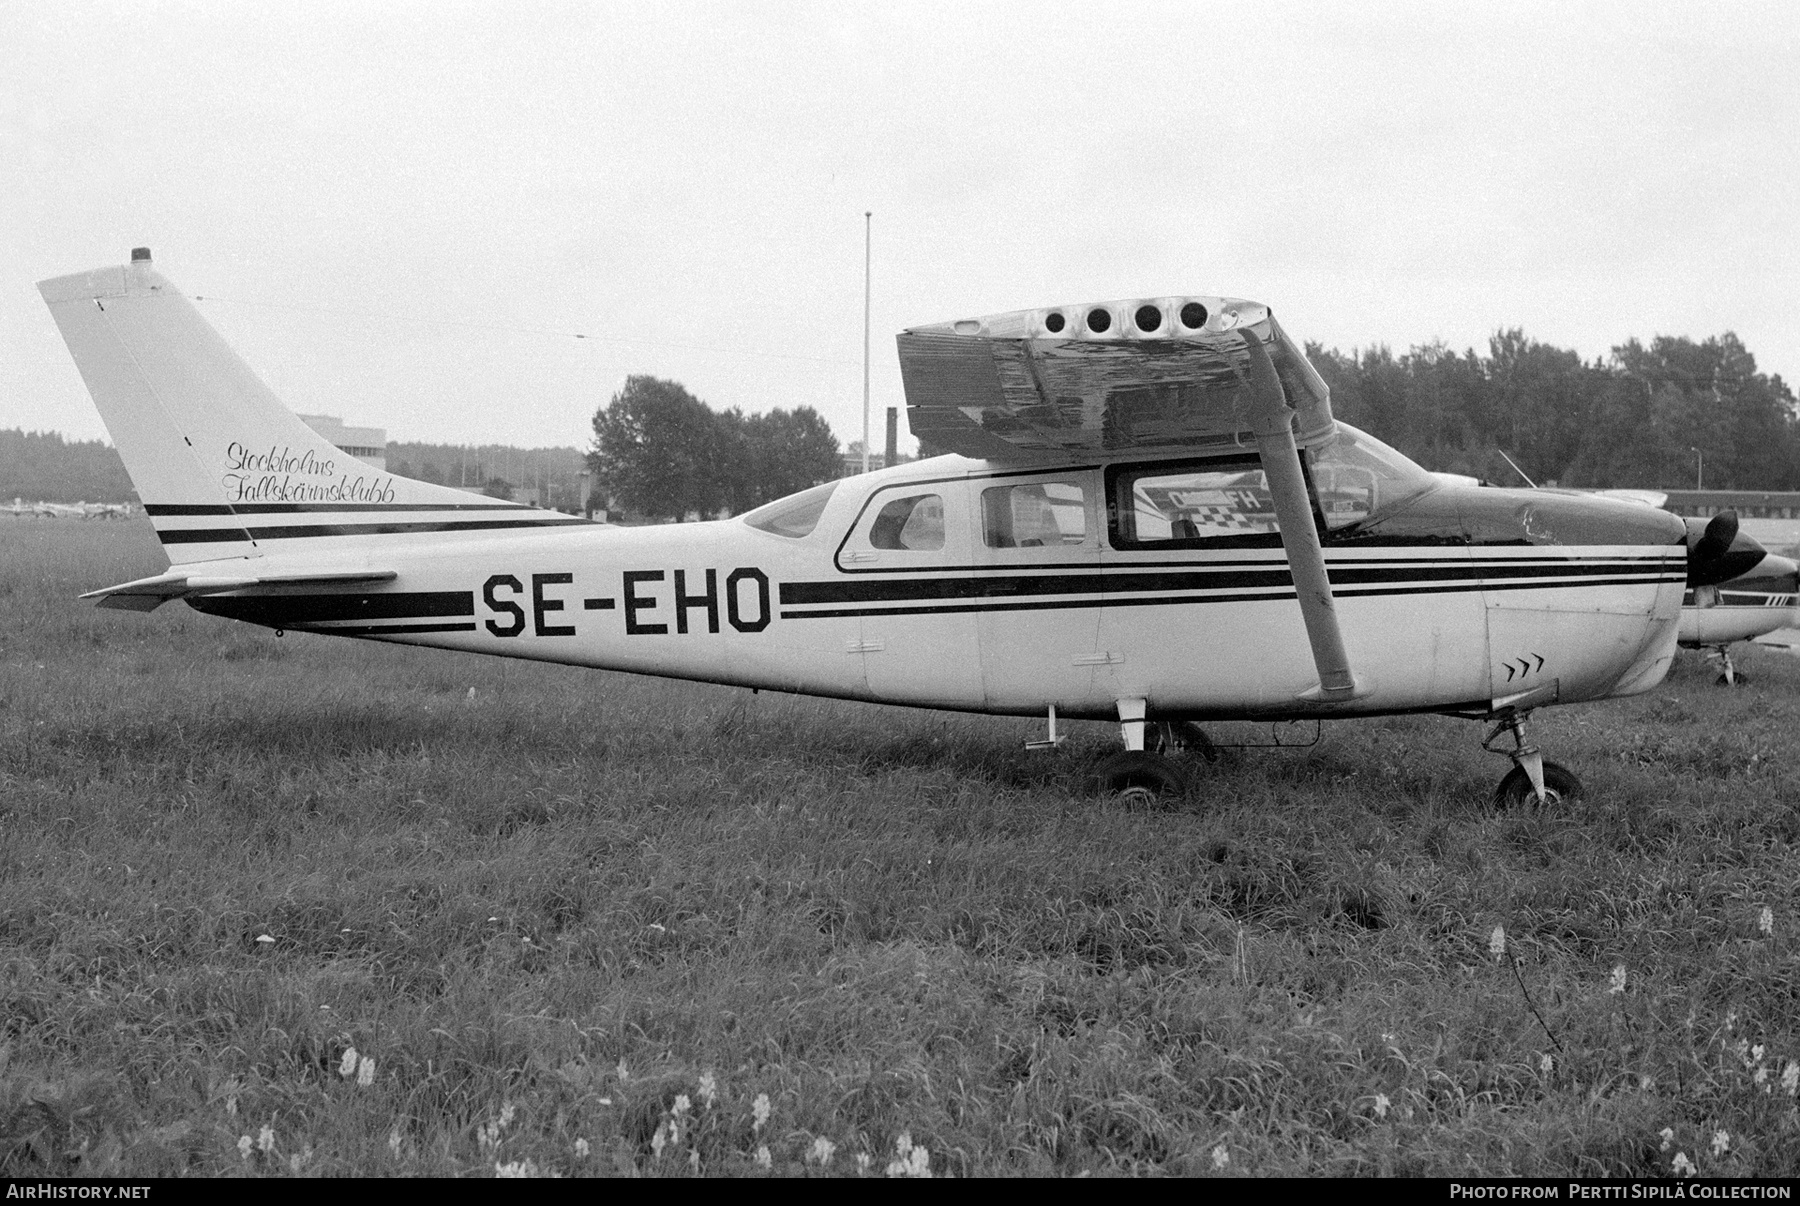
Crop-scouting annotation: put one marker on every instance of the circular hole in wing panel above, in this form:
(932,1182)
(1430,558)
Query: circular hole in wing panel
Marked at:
(1099,320)
(1193,316)
(1148,318)
(1054,322)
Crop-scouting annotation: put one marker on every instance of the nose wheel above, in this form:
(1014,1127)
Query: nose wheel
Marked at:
(1728,672)
(1531,780)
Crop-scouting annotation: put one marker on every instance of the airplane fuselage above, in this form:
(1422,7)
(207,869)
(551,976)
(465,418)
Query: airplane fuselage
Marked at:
(1456,600)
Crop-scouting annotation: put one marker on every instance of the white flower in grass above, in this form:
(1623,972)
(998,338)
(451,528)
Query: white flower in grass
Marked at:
(694,1160)
(759,1110)
(1618,980)
(909,1161)
(347,1065)
(581,1149)
(265,1140)
(1721,1143)
(660,1140)
(822,1151)
(863,1160)
(1681,1166)
(709,1089)
(1220,1157)
(365,1071)
(1497,942)
(518,1168)
(1546,1064)
(1668,1138)
(244,1146)
(1765,920)
(682,1105)
(1381,1105)
(1790,1079)
(623,1074)
(762,1157)
(507,1112)
(1646,1082)
(394,1141)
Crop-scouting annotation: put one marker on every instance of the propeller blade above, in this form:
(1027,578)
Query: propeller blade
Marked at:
(1718,551)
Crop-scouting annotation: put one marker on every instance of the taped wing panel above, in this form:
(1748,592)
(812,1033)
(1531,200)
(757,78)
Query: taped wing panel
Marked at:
(1007,388)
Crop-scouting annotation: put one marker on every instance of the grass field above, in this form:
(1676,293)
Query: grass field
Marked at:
(579,923)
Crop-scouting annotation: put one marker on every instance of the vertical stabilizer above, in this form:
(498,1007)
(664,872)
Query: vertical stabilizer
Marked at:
(223,468)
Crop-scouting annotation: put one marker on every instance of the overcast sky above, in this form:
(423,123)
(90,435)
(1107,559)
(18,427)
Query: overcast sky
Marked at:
(404,210)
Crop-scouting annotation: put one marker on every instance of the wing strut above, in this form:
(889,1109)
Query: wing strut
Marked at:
(1299,536)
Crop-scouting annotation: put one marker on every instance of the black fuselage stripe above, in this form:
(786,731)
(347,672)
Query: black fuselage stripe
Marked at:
(202,535)
(320,507)
(289,610)
(389,508)
(1185,600)
(293,531)
(383,629)
(801,594)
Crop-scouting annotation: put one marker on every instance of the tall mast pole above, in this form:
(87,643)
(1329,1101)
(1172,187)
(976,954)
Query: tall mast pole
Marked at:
(868,214)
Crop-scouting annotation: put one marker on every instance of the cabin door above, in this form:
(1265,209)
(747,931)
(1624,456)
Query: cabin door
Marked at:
(905,566)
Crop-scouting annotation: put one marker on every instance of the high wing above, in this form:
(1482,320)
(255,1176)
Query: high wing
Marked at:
(1153,375)
(1118,377)
(147,594)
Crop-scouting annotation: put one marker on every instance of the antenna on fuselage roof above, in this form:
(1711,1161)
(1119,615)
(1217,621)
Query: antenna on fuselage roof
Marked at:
(1516,469)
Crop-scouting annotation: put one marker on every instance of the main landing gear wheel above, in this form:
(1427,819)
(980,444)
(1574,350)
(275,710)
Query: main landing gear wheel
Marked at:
(1560,787)
(1140,779)
(1182,736)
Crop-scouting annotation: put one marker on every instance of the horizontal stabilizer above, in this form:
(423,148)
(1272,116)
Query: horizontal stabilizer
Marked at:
(147,594)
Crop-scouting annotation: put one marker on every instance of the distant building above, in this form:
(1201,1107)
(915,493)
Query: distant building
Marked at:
(853,462)
(1749,504)
(366,444)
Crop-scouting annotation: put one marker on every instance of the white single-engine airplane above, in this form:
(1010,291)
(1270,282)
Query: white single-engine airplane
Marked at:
(1149,515)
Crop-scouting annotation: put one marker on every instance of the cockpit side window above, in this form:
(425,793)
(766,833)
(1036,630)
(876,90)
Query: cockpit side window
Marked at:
(1354,475)
(914,522)
(908,524)
(1191,504)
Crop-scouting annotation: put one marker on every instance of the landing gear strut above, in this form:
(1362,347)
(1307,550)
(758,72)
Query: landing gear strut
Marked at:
(1531,780)
(1141,776)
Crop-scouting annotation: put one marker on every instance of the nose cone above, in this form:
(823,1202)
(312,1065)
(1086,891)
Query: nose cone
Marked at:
(1719,552)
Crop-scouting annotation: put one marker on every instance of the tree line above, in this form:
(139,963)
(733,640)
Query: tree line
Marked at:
(1649,416)
(552,475)
(662,453)
(42,466)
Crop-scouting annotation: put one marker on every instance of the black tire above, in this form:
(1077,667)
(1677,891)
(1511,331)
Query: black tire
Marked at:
(1183,736)
(1139,779)
(1560,787)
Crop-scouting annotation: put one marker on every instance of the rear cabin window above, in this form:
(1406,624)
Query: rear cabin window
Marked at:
(1191,505)
(794,516)
(1034,515)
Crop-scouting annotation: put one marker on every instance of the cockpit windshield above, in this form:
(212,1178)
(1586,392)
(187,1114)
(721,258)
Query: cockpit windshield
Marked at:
(1357,475)
(794,516)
